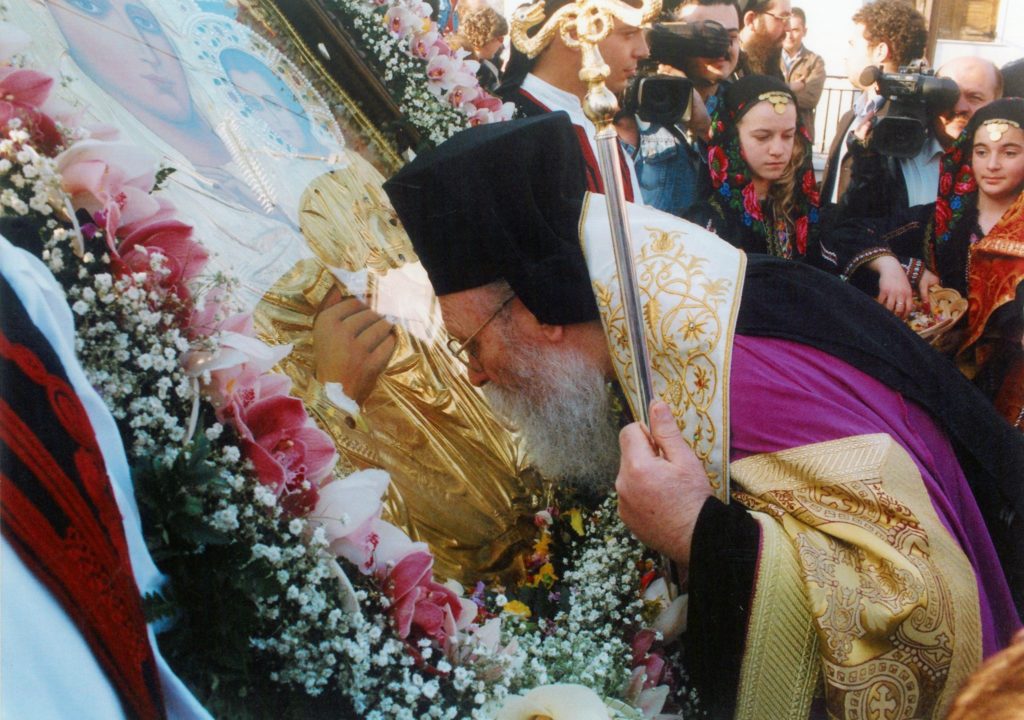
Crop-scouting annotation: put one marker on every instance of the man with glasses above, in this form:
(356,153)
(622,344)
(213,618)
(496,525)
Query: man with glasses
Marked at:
(830,403)
(764,27)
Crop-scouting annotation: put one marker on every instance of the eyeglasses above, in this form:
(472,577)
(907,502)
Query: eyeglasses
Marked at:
(784,18)
(461,350)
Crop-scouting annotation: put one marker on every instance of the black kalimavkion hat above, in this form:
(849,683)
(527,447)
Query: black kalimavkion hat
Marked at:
(502,201)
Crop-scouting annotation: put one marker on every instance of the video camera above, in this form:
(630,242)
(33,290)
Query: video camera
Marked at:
(913,98)
(665,99)
(672,43)
(660,99)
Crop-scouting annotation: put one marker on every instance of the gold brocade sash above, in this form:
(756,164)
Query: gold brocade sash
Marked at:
(855,563)
(690,281)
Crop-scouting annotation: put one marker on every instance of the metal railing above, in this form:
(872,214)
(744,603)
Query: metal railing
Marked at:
(837,98)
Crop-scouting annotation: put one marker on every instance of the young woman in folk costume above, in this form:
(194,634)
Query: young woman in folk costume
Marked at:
(763,196)
(971,239)
(992,351)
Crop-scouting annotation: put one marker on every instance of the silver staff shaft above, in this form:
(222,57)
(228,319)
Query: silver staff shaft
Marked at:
(622,244)
(583,25)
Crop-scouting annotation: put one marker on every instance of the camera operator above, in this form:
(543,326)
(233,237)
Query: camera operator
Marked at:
(890,35)
(700,42)
(979,81)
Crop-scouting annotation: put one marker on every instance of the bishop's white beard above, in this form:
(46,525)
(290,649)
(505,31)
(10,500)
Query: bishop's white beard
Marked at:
(560,404)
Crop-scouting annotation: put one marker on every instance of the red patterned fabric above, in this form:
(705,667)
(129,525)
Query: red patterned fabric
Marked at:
(995,270)
(59,513)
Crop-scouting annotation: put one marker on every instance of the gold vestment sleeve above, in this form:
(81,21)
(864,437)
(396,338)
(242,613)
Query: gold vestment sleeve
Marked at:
(888,591)
(780,662)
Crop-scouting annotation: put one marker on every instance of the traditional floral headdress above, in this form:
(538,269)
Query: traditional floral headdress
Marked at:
(731,176)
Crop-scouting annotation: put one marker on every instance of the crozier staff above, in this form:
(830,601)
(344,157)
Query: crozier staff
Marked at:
(828,402)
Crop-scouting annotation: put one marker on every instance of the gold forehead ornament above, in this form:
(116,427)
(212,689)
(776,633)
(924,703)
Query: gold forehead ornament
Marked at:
(779,100)
(997,128)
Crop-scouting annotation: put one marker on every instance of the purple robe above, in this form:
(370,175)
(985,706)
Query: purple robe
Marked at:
(827,399)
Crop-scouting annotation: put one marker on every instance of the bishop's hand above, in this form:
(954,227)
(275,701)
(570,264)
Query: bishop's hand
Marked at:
(661,485)
(352,345)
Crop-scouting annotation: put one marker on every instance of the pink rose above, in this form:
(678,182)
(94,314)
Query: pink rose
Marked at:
(420,606)
(942,216)
(801,235)
(750,202)
(945,184)
(718,163)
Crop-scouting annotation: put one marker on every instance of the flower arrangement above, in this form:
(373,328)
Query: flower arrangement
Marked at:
(288,593)
(436,86)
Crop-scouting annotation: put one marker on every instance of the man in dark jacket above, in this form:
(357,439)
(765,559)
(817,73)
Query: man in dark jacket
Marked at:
(890,35)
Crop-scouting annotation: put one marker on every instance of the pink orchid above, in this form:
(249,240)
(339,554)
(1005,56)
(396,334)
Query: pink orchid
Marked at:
(245,395)
(240,359)
(462,95)
(391,544)
(27,87)
(420,44)
(420,606)
(486,101)
(480,117)
(445,72)
(347,510)
(485,108)
(375,546)
(290,453)
(440,47)
(401,21)
(111,178)
(22,92)
(183,257)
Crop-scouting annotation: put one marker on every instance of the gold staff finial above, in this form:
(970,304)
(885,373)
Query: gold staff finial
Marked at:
(583,25)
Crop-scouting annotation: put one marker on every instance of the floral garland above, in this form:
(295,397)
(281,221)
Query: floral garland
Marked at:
(274,572)
(731,177)
(436,87)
